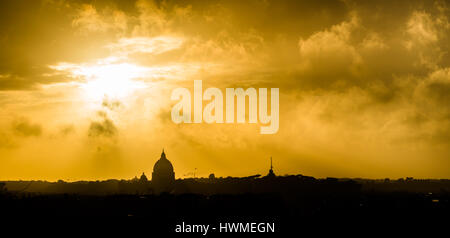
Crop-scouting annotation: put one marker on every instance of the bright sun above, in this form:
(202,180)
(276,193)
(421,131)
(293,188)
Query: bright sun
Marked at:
(112,80)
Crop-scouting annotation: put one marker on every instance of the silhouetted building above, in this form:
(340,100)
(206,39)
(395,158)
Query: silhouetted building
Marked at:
(271,173)
(2,187)
(143,178)
(163,177)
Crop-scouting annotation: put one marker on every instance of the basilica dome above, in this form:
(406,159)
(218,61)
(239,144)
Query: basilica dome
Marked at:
(163,164)
(163,177)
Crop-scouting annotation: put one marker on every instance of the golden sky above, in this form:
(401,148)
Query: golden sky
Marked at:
(85,87)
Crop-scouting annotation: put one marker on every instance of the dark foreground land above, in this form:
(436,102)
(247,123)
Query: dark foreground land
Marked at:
(292,203)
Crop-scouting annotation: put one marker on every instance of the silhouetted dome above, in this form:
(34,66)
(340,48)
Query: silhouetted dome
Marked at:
(163,164)
(143,178)
(163,177)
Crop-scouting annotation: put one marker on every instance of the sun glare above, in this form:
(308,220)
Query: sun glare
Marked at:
(111,80)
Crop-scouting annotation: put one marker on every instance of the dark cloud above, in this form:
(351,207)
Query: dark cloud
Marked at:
(8,82)
(34,35)
(67,130)
(32,39)
(22,127)
(440,91)
(111,104)
(31,79)
(105,128)
(102,114)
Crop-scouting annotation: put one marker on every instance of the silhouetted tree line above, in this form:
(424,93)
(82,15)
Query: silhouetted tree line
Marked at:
(230,185)
(286,200)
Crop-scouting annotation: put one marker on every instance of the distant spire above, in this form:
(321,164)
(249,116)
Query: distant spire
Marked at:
(163,155)
(271,173)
